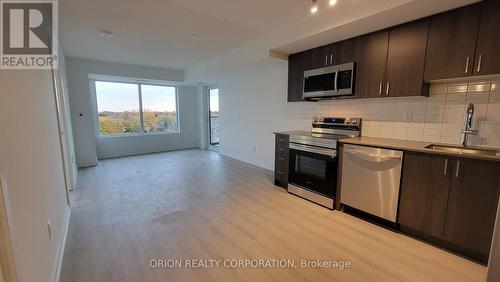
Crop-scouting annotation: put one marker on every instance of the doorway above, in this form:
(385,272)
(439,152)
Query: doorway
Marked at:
(213,116)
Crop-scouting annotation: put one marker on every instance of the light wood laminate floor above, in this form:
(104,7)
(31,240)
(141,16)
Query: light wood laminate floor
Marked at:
(196,204)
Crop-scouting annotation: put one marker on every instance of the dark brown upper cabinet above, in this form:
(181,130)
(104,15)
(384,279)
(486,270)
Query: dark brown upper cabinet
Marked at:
(371,62)
(342,52)
(472,205)
(296,64)
(451,43)
(487,59)
(424,193)
(406,60)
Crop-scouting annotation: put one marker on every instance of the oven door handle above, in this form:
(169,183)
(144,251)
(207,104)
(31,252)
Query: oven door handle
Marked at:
(371,157)
(317,150)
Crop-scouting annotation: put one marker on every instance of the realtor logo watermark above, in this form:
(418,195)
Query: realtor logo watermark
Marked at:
(29,35)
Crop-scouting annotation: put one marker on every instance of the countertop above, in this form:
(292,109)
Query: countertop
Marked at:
(404,145)
(414,146)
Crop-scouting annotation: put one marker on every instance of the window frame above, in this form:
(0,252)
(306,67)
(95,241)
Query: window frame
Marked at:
(139,83)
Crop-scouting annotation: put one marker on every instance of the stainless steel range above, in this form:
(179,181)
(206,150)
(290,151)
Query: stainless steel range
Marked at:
(313,158)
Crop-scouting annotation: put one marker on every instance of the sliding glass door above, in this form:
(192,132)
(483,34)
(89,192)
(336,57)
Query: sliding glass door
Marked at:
(213,115)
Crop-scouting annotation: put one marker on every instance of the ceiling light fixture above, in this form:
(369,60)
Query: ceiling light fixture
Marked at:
(193,36)
(106,34)
(314,6)
(332,2)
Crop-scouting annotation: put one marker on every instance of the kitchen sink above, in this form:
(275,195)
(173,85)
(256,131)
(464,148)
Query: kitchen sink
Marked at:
(464,150)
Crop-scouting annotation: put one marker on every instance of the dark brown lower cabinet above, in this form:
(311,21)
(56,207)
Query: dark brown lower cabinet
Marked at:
(472,205)
(424,193)
(281,160)
(450,201)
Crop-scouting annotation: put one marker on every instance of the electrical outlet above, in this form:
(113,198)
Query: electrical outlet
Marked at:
(49,229)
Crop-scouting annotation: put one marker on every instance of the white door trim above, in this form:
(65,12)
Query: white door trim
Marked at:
(7,266)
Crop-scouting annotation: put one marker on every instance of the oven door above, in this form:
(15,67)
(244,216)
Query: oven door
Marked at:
(313,168)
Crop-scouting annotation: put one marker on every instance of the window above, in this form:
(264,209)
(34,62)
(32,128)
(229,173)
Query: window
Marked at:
(135,108)
(213,98)
(159,108)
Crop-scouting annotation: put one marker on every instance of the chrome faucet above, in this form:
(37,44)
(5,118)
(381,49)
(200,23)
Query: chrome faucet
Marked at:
(468,126)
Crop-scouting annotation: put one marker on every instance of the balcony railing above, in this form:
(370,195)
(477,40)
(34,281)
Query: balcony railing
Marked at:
(214,130)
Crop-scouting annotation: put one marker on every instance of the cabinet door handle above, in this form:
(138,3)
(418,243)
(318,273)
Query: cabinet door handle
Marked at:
(479,63)
(457,174)
(281,159)
(331,59)
(387,89)
(326,61)
(467,65)
(445,167)
(380,89)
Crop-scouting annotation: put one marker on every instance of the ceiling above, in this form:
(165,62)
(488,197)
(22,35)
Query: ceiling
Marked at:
(157,32)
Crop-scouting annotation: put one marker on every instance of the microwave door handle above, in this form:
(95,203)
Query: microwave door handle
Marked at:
(336,79)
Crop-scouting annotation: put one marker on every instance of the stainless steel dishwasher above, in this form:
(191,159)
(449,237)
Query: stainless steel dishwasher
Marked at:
(371,180)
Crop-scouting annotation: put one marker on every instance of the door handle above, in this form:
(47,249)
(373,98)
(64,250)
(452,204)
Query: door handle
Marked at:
(387,89)
(380,89)
(331,59)
(445,167)
(326,61)
(457,174)
(467,65)
(479,63)
(336,78)
(372,157)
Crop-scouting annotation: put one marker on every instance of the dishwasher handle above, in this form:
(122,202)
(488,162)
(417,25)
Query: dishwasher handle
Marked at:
(371,157)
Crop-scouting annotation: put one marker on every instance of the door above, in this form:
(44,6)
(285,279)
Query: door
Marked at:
(313,170)
(342,52)
(213,116)
(371,180)
(295,76)
(320,57)
(452,43)
(406,60)
(371,62)
(487,55)
(472,204)
(424,193)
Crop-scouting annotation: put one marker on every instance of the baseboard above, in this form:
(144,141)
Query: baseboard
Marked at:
(60,252)
(252,162)
(129,154)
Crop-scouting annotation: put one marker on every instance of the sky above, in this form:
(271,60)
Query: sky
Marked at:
(214,100)
(118,97)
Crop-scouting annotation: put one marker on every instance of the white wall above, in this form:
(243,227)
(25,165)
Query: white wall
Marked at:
(87,149)
(187,138)
(31,171)
(253,105)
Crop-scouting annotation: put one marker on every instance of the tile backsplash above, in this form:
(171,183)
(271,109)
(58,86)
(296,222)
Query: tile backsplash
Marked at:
(437,118)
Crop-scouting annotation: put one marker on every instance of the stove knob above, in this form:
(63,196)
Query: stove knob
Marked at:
(354,122)
(348,122)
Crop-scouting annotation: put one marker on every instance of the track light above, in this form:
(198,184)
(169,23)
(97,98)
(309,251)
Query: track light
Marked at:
(314,6)
(332,2)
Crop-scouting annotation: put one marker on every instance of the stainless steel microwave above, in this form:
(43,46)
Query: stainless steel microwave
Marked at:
(329,82)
